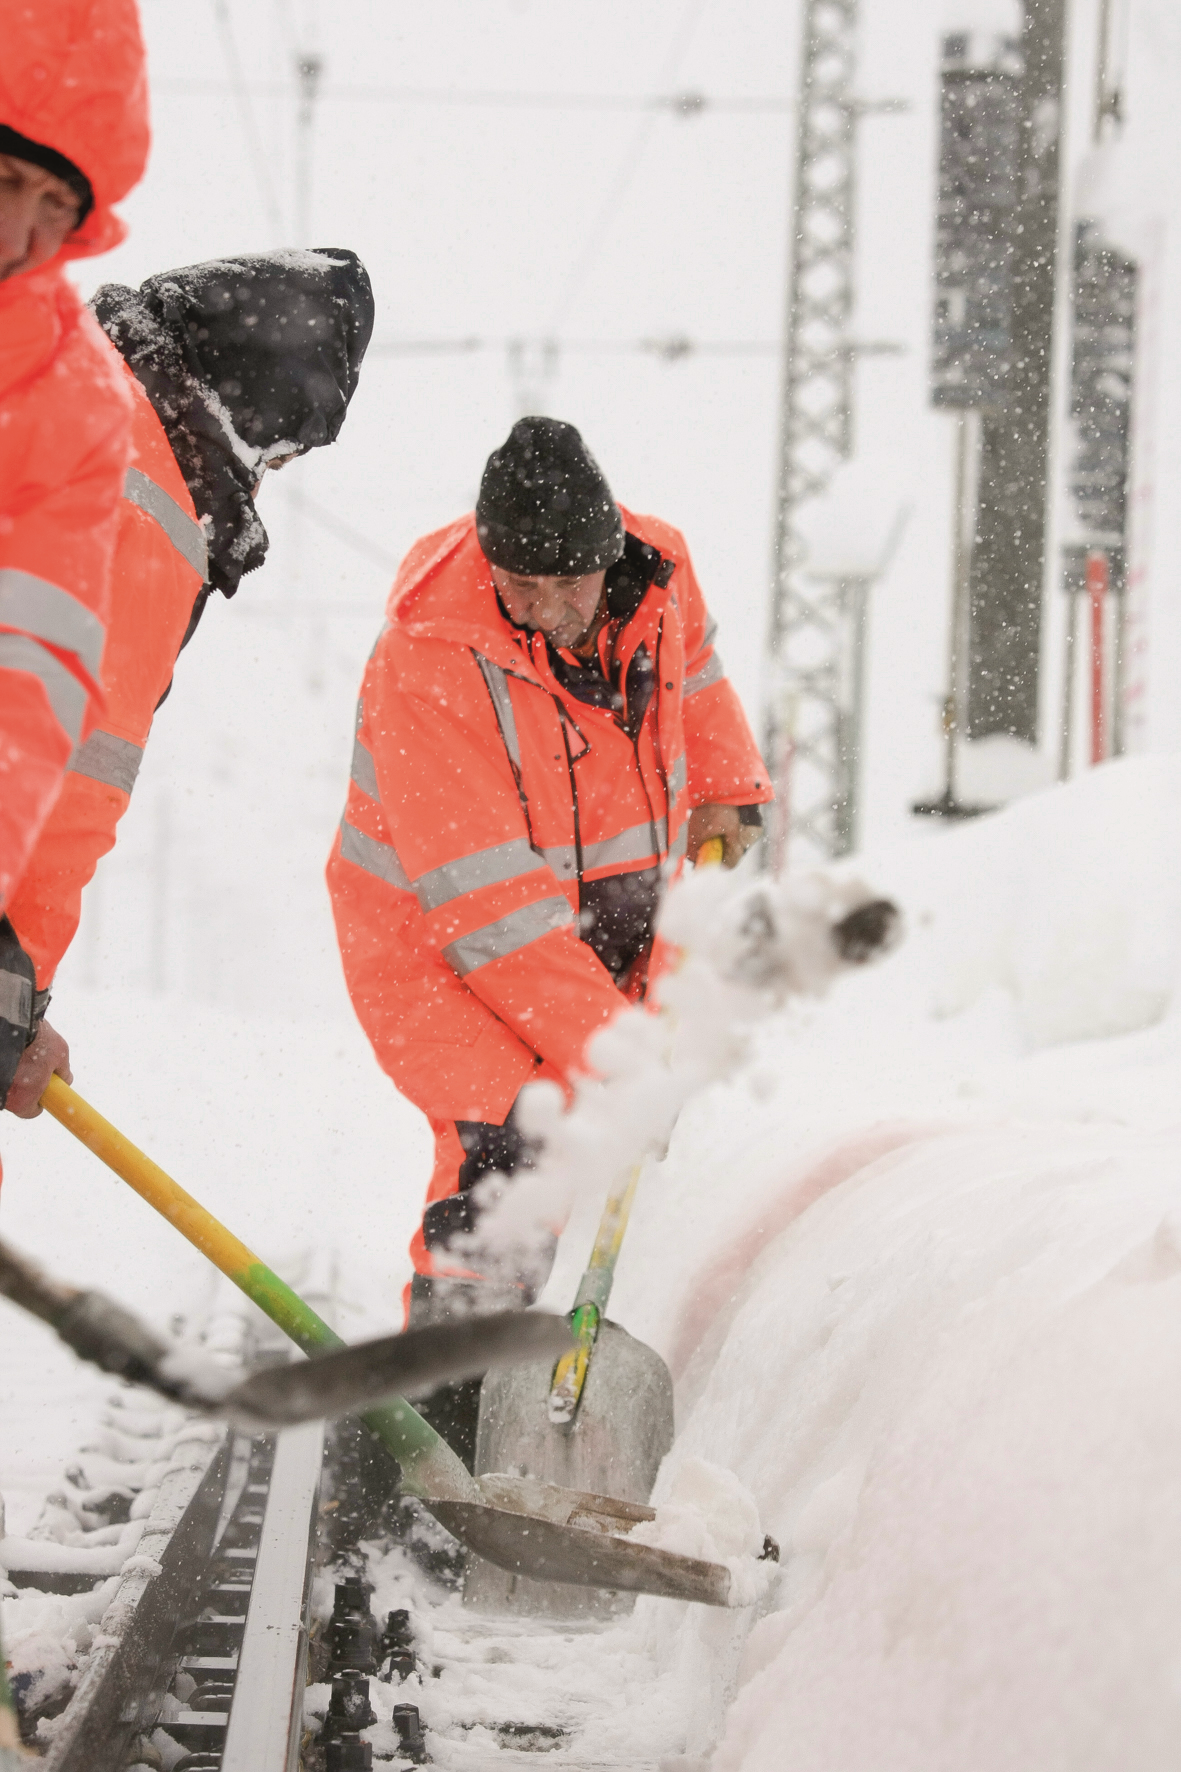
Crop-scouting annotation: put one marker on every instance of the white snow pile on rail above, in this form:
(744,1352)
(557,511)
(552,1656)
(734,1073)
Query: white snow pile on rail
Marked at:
(49,1637)
(943,1352)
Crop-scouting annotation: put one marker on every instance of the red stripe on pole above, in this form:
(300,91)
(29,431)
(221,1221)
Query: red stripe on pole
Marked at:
(1097,580)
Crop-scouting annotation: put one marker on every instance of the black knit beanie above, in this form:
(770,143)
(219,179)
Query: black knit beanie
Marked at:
(19,147)
(544,508)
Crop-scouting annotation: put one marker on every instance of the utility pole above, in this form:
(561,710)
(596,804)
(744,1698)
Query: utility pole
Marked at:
(309,69)
(532,368)
(1007,569)
(809,728)
(1094,560)
(971,345)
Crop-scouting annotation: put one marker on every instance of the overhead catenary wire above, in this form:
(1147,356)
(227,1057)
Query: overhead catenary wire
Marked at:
(673,349)
(685,104)
(345,532)
(241,93)
(624,173)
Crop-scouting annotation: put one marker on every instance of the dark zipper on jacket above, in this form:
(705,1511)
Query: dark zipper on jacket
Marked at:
(564,720)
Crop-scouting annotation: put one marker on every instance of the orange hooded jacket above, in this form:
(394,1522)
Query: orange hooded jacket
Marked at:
(72,79)
(158,570)
(483,791)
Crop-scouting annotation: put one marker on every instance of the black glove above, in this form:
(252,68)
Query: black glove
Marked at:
(18,1005)
(488,1150)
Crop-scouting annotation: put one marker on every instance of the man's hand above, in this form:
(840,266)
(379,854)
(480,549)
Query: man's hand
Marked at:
(721,821)
(48,1053)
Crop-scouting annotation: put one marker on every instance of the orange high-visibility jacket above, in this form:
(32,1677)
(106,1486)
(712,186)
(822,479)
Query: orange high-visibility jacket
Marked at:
(159,568)
(72,79)
(480,789)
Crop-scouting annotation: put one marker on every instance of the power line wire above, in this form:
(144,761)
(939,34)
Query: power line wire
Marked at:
(680,104)
(262,171)
(345,532)
(625,171)
(672,349)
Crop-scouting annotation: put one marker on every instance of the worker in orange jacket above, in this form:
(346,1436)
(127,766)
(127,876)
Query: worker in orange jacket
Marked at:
(544,732)
(233,367)
(73,141)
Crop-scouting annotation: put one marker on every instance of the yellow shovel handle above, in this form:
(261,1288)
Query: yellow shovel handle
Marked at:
(151,1182)
(429,1467)
(711,852)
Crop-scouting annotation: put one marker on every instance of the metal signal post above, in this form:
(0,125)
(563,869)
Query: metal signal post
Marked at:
(803,739)
(816,621)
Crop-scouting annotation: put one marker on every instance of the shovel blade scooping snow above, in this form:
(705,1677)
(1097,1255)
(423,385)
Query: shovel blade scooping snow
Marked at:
(546,1534)
(492,1515)
(622,1431)
(352,1378)
(329,1384)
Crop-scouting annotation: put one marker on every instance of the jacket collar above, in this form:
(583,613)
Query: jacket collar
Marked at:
(449,595)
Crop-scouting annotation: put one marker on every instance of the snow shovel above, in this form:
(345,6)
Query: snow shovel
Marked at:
(600,1421)
(339,1383)
(502,1523)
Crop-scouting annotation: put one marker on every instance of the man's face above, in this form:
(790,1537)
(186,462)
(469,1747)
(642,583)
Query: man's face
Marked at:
(38,211)
(560,608)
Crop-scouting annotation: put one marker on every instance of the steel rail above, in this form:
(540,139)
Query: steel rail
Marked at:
(266,1712)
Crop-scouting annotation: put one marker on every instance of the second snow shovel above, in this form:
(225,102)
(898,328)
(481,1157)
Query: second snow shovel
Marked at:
(501,1521)
(337,1382)
(601,1420)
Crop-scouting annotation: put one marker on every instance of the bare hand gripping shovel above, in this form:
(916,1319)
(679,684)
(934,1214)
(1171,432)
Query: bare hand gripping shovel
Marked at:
(528,1528)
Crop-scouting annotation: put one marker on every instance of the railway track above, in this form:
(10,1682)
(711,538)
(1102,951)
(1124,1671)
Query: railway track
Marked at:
(182,1554)
(228,1585)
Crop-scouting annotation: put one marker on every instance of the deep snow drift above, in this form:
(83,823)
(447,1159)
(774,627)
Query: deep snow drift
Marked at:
(917,1270)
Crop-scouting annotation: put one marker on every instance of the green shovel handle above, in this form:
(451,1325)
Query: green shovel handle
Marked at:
(429,1467)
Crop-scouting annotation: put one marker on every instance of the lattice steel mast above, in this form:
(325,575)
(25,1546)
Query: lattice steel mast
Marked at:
(814,690)
(807,741)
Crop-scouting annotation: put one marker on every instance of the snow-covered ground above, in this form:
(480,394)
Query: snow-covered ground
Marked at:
(916,1268)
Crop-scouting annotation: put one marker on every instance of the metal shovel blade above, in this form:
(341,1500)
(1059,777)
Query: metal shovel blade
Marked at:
(351,1378)
(620,1434)
(549,1534)
(614,1446)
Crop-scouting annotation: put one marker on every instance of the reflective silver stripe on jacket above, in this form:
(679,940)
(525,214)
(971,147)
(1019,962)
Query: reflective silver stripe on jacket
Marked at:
(484,867)
(373,855)
(45,611)
(711,672)
(16,999)
(563,859)
(497,680)
(680,843)
(113,761)
(643,842)
(364,771)
(678,778)
(66,695)
(711,628)
(507,934)
(184,532)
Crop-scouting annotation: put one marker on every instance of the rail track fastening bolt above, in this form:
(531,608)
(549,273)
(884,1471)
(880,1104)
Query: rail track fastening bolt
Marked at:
(408,1723)
(349,1708)
(397,1643)
(349,1754)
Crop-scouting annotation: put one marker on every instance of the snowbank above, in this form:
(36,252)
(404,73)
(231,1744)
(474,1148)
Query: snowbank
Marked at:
(1069,900)
(941,1350)
(952,1389)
